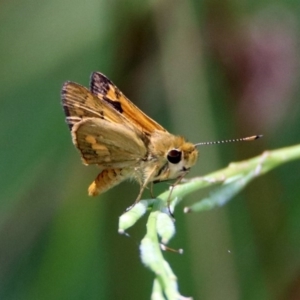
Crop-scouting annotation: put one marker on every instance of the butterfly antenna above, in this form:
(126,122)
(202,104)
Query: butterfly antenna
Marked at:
(245,139)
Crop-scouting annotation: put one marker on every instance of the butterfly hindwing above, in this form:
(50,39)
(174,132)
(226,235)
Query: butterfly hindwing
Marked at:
(108,144)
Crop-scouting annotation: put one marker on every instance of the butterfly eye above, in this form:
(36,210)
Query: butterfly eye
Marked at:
(174,156)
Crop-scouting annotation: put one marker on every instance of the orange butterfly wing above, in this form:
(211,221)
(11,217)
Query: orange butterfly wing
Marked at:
(104,89)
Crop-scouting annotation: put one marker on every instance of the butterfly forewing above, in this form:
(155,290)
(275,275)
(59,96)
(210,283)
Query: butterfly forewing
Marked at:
(79,103)
(104,89)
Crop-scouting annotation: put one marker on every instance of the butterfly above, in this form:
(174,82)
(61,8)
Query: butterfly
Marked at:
(111,132)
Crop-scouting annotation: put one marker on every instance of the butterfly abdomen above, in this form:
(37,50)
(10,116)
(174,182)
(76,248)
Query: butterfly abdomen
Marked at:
(107,179)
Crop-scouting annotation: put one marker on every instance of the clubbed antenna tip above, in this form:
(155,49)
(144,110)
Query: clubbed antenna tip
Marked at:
(245,139)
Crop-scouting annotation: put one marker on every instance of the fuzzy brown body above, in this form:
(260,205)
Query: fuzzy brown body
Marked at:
(111,132)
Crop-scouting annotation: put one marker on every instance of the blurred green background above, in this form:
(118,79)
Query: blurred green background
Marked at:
(208,70)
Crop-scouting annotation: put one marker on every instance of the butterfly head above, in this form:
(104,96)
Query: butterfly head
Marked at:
(180,160)
(174,154)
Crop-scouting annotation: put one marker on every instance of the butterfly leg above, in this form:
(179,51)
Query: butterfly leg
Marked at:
(151,190)
(178,180)
(147,180)
(143,185)
(107,179)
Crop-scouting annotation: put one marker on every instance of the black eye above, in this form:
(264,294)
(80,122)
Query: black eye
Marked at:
(174,156)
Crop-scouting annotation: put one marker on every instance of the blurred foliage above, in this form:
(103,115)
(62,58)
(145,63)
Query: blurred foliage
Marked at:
(207,70)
